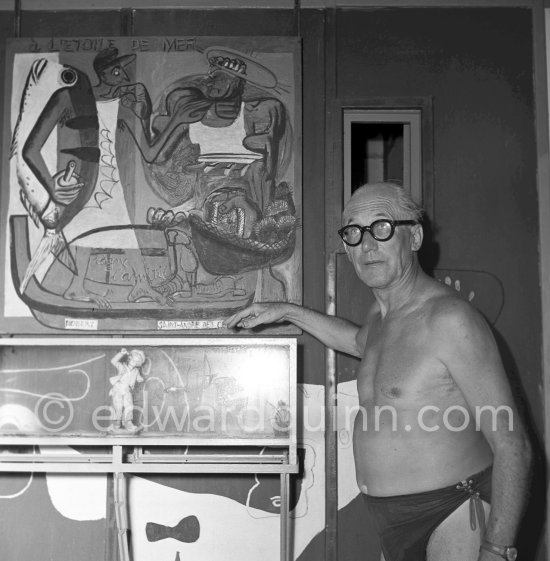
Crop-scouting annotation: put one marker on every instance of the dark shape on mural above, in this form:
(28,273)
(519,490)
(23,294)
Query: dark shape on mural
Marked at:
(32,515)
(187,530)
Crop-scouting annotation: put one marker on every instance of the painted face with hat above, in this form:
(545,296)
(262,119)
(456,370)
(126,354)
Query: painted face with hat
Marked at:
(219,84)
(111,68)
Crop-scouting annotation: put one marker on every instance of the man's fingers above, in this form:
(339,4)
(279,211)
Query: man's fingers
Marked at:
(235,319)
(251,321)
(256,314)
(230,322)
(241,319)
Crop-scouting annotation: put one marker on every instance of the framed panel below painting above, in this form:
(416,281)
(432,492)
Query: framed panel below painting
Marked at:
(206,396)
(144,406)
(151,184)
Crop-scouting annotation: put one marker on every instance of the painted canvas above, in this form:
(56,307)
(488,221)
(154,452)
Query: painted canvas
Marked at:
(151,183)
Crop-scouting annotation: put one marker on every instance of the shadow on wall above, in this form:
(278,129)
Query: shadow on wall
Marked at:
(532,528)
(428,254)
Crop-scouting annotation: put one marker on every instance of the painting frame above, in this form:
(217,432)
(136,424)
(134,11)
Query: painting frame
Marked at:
(239,239)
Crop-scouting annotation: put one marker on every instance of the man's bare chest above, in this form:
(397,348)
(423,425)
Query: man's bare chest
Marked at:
(401,366)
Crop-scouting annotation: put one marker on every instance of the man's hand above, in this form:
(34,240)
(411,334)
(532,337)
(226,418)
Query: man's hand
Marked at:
(334,332)
(258,314)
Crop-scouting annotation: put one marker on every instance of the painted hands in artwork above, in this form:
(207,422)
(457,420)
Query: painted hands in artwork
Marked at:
(67,184)
(458,287)
(135,97)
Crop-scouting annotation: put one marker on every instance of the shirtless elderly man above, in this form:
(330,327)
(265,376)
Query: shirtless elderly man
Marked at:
(438,426)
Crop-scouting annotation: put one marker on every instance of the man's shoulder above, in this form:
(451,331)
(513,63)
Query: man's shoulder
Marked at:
(448,311)
(440,303)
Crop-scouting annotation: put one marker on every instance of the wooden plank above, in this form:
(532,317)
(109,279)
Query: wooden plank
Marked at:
(160,4)
(333,207)
(87,468)
(542,90)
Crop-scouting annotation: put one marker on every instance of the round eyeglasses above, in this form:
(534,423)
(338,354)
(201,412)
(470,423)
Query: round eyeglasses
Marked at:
(381,230)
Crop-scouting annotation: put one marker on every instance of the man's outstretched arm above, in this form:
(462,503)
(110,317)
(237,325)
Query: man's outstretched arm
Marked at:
(334,332)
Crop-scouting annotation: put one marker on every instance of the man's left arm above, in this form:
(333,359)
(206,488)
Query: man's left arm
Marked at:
(473,359)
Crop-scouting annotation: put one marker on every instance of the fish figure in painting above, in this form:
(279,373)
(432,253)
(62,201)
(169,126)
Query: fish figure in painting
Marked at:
(57,98)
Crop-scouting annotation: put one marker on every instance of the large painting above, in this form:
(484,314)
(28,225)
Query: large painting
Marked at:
(150,184)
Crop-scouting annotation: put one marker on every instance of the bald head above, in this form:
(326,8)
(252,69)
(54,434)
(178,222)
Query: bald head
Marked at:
(387,197)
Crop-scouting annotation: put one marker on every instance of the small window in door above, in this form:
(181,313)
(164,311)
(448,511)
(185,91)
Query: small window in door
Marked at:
(383,145)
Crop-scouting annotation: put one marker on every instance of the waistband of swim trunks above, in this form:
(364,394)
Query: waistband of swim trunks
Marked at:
(476,478)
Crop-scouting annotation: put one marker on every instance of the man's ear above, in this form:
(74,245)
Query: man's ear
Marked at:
(417,237)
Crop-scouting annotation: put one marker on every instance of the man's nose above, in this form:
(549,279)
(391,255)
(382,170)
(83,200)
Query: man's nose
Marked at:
(368,242)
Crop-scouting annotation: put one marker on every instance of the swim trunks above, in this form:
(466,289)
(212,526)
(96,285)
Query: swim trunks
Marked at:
(406,522)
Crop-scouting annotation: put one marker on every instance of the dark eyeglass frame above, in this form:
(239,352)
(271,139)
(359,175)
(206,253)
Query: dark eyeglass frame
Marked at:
(370,229)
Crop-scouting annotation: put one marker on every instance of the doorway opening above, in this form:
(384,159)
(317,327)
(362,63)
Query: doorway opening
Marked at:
(383,145)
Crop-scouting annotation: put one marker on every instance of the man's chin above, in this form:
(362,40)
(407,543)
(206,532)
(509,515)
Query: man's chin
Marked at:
(373,279)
